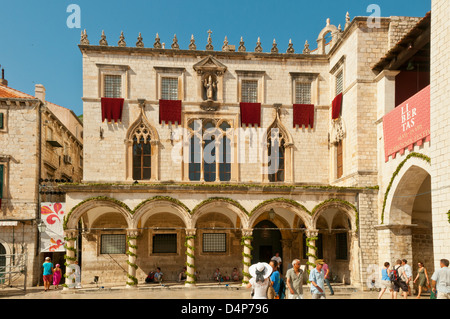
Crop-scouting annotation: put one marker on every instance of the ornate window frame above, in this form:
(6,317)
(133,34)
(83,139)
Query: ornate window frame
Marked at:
(113,69)
(302,77)
(170,72)
(259,76)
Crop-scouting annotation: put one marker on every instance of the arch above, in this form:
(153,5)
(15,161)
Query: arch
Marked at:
(289,204)
(329,28)
(341,204)
(158,203)
(413,159)
(71,220)
(142,121)
(213,202)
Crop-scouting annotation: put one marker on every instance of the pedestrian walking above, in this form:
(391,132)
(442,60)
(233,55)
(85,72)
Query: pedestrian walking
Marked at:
(275,278)
(422,276)
(260,281)
(409,275)
(277,258)
(440,280)
(317,279)
(294,281)
(398,278)
(327,273)
(57,274)
(47,273)
(386,281)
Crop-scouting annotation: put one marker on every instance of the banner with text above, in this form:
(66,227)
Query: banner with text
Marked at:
(407,125)
(52,214)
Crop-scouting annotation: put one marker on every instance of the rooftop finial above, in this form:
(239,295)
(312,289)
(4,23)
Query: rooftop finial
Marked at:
(258,46)
(192,45)
(103,39)
(347,20)
(225,44)
(306,50)
(157,44)
(175,45)
(290,48)
(121,42)
(274,47)
(84,39)
(328,21)
(209,46)
(140,43)
(242,46)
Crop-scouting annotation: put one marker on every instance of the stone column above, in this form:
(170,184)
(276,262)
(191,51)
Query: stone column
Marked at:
(132,235)
(286,245)
(311,236)
(246,241)
(70,235)
(190,257)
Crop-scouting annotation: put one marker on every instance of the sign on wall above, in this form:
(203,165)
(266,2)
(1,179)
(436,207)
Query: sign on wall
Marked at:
(407,125)
(52,214)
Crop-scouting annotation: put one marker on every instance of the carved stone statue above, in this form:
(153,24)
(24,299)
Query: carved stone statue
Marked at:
(210,86)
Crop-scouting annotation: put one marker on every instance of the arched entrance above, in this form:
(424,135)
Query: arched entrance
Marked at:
(266,242)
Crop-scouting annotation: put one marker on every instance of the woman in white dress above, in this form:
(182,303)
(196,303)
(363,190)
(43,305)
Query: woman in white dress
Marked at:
(260,281)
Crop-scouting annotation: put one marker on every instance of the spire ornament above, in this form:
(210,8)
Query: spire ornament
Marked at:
(192,45)
(274,47)
(121,42)
(225,44)
(139,42)
(306,50)
(290,48)
(258,46)
(347,20)
(209,46)
(175,45)
(242,46)
(84,38)
(103,39)
(157,44)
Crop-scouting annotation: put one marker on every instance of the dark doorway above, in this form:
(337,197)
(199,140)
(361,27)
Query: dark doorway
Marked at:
(266,242)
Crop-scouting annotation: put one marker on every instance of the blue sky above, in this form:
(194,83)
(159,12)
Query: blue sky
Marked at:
(37,46)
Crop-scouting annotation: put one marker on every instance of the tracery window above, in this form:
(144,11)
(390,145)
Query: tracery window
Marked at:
(276,153)
(142,152)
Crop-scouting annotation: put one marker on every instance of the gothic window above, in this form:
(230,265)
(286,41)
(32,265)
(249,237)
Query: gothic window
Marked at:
(142,153)
(169,88)
(209,151)
(113,86)
(276,153)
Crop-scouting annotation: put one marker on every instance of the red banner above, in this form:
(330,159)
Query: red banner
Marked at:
(407,124)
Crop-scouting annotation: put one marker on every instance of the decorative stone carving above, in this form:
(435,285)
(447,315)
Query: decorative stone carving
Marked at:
(274,47)
(347,21)
(139,43)
(175,45)
(84,38)
(290,48)
(241,46)
(209,46)
(103,39)
(258,47)
(306,49)
(337,131)
(192,45)
(157,44)
(121,42)
(225,45)
(210,86)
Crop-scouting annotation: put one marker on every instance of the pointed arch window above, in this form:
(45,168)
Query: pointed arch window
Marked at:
(276,153)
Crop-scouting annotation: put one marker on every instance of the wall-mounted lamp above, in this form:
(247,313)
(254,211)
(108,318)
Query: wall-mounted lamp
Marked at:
(41,226)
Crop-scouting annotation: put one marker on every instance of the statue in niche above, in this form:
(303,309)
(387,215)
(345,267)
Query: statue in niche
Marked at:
(210,85)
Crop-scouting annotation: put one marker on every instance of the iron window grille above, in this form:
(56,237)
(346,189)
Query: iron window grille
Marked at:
(169,88)
(113,86)
(214,243)
(249,91)
(113,244)
(165,244)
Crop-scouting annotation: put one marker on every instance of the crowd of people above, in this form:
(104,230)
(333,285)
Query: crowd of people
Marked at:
(399,278)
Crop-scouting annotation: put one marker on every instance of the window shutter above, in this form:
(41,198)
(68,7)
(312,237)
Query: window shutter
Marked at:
(1,120)
(1,182)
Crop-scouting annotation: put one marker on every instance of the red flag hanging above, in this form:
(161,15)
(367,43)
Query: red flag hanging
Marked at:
(112,109)
(303,115)
(336,106)
(170,111)
(250,113)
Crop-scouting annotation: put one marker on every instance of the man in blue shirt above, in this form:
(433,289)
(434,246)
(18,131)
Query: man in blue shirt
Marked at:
(317,279)
(275,278)
(440,280)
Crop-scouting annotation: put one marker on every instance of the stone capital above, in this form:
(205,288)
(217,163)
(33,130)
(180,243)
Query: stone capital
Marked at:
(312,233)
(132,232)
(191,232)
(71,233)
(247,232)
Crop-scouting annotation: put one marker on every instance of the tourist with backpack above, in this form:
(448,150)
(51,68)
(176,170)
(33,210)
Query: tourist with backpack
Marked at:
(386,281)
(398,279)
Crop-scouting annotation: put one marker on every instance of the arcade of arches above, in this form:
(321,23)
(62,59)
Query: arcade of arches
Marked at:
(122,245)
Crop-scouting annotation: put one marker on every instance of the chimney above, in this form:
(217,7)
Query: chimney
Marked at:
(39,92)
(2,80)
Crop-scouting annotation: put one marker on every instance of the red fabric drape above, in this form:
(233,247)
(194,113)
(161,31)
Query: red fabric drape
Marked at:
(250,113)
(336,106)
(303,115)
(170,111)
(112,109)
